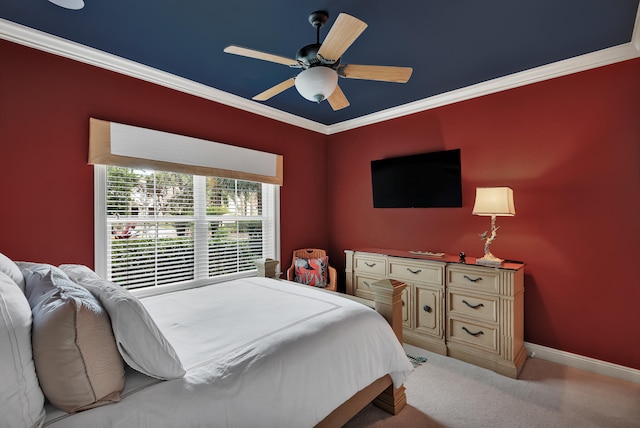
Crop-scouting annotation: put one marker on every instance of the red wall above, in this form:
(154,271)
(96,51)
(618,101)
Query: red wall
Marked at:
(47,193)
(570,150)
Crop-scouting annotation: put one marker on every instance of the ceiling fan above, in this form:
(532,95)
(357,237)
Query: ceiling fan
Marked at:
(320,63)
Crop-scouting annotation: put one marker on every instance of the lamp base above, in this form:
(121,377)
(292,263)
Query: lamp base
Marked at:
(489,260)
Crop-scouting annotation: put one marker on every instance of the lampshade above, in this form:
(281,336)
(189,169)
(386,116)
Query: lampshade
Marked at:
(492,201)
(317,83)
(69,4)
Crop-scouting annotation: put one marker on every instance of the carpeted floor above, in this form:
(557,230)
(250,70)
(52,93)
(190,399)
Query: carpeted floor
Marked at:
(444,392)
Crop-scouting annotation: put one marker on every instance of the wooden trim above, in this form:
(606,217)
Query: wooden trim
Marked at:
(355,404)
(100,153)
(99,142)
(387,302)
(392,400)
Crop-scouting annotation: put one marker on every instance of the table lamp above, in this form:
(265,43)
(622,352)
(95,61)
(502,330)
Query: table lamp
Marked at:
(492,201)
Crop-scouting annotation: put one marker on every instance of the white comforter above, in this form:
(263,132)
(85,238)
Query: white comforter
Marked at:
(258,353)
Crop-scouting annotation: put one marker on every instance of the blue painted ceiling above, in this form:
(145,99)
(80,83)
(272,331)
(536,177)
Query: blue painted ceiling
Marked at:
(449,44)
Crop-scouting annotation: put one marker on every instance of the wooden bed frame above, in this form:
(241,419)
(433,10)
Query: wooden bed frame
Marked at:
(388,302)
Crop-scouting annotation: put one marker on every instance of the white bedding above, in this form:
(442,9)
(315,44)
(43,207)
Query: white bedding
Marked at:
(258,353)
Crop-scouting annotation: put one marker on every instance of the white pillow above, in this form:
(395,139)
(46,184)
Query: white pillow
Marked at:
(140,341)
(21,399)
(9,267)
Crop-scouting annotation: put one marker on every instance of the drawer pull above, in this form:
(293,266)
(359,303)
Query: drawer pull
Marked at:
(415,272)
(366,283)
(369,264)
(476,334)
(426,308)
(479,305)
(473,280)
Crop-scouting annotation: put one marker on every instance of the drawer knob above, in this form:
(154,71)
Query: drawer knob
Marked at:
(472,279)
(426,308)
(369,264)
(479,305)
(476,334)
(415,272)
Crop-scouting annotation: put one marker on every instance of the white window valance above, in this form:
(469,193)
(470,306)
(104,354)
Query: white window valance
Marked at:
(112,143)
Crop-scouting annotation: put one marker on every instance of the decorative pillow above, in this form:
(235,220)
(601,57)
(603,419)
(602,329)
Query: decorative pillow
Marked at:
(74,351)
(42,268)
(139,340)
(21,399)
(9,267)
(74,271)
(311,271)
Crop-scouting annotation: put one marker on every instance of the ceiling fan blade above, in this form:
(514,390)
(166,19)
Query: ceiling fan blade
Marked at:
(338,100)
(275,90)
(376,72)
(251,53)
(343,33)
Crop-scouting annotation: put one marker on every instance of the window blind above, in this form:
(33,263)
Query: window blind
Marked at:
(166,227)
(175,209)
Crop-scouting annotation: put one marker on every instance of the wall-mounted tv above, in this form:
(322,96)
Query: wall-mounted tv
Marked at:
(426,180)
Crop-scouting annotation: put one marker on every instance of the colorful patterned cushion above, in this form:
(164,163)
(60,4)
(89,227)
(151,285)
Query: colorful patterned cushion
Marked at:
(311,271)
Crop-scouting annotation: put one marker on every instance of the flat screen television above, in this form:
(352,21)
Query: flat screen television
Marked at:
(427,180)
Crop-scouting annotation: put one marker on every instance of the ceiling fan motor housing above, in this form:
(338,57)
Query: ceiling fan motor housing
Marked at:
(308,57)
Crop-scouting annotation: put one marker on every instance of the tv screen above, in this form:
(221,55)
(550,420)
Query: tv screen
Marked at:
(427,180)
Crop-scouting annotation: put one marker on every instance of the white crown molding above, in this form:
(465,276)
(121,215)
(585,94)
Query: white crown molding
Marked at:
(58,46)
(527,77)
(561,68)
(62,47)
(583,363)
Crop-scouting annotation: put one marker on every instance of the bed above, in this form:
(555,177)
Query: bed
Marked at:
(254,352)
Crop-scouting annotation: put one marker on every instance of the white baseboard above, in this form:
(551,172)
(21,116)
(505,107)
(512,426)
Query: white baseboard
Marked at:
(568,359)
(583,363)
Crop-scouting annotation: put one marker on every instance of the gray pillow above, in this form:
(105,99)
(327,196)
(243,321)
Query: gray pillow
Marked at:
(74,350)
(75,271)
(140,341)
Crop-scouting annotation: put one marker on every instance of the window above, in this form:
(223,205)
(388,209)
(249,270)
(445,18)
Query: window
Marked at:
(157,228)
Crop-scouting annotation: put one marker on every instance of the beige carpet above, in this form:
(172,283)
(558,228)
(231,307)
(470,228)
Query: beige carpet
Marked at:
(444,392)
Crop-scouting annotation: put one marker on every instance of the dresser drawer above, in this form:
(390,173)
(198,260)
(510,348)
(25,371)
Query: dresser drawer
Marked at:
(471,334)
(403,270)
(363,286)
(370,265)
(484,308)
(474,278)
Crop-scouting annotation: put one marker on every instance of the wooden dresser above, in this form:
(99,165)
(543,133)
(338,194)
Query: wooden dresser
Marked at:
(471,312)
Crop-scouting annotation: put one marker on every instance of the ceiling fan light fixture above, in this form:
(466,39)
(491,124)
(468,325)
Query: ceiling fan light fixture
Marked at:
(317,83)
(69,4)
